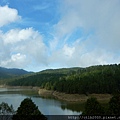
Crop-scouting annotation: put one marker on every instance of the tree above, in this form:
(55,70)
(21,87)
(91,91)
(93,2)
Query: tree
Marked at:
(114,105)
(93,107)
(28,111)
(6,111)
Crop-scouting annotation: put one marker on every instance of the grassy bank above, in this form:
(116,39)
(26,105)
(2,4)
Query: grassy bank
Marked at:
(103,98)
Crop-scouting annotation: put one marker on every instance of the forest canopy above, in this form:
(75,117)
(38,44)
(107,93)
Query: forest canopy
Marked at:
(94,79)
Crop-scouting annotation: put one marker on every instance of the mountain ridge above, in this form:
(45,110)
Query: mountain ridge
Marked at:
(97,79)
(12,72)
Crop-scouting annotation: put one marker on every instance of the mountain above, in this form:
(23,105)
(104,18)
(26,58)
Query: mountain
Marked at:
(94,79)
(11,72)
(43,78)
(61,70)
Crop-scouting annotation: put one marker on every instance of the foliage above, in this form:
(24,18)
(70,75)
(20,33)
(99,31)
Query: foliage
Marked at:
(114,105)
(7,74)
(44,80)
(5,109)
(93,107)
(94,79)
(28,111)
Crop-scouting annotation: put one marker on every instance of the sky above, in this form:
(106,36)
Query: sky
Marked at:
(48,34)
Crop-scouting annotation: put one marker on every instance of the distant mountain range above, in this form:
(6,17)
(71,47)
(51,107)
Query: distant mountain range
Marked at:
(11,72)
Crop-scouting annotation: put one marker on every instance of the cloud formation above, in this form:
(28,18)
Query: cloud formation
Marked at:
(8,15)
(21,47)
(100,16)
(99,21)
(85,33)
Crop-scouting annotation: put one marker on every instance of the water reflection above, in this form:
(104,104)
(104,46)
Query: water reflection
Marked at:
(47,106)
(75,107)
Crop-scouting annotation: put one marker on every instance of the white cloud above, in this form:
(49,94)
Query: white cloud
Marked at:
(17,35)
(8,15)
(101,16)
(67,24)
(99,21)
(68,51)
(98,44)
(15,61)
(22,47)
(78,55)
(17,56)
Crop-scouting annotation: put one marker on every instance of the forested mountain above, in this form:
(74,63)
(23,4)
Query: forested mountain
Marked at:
(44,78)
(10,73)
(62,70)
(94,79)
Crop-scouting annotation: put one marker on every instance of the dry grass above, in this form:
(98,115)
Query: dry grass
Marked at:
(101,97)
(74,97)
(45,93)
(70,97)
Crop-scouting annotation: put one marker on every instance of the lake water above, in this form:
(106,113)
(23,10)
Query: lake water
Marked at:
(45,105)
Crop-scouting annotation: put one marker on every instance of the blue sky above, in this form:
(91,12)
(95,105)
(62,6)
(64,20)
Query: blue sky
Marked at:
(44,34)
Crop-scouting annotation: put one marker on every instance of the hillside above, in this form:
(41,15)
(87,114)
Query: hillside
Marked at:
(43,78)
(61,70)
(6,73)
(94,79)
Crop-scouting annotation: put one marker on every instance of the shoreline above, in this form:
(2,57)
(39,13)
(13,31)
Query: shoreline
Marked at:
(20,87)
(103,98)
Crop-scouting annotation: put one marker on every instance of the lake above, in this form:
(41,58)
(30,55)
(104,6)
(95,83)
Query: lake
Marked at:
(47,106)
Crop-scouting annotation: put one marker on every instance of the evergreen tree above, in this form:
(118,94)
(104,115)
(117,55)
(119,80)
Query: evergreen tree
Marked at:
(93,107)
(114,105)
(5,109)
(28,111)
